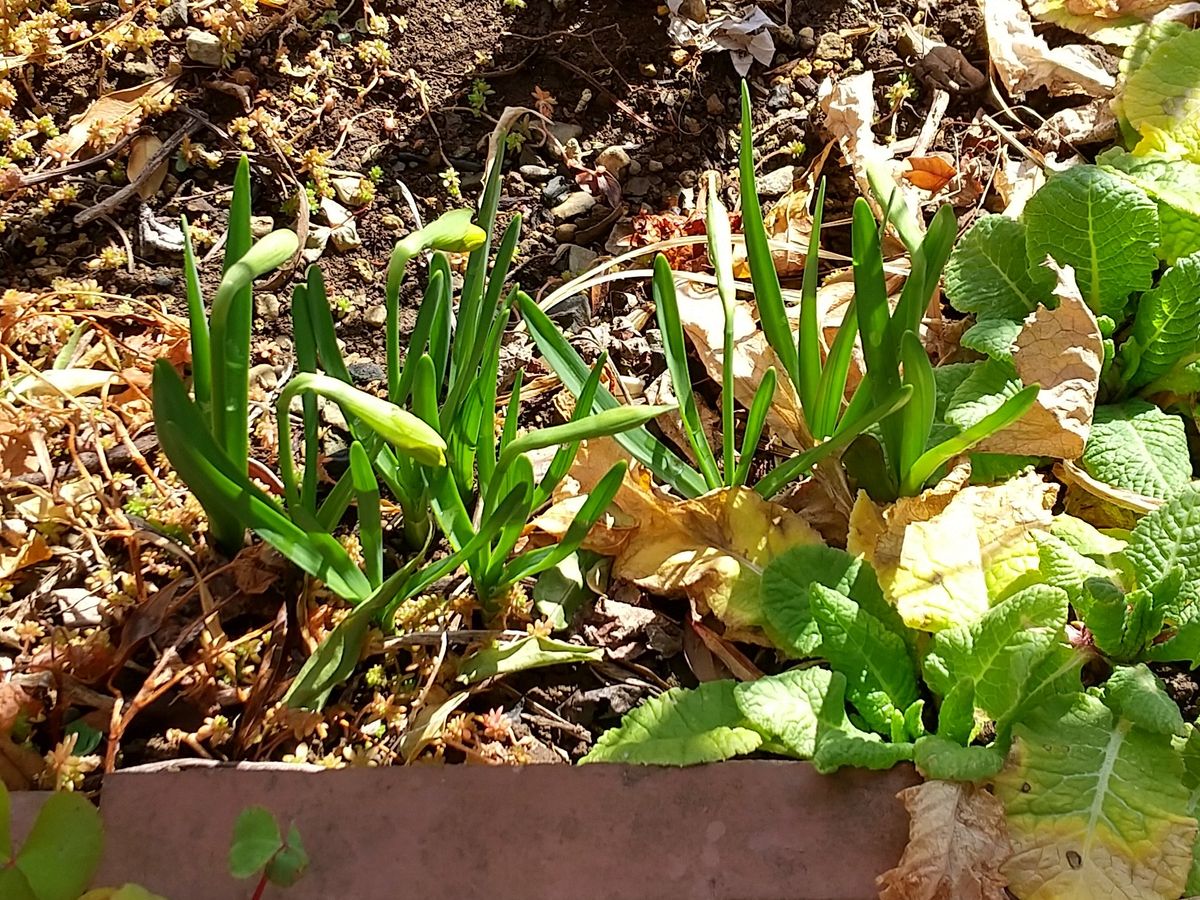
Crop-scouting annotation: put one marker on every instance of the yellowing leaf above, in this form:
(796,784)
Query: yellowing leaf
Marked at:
(1061,350)
(957,841)
(703,319)
(1096,807)
(945,556)
(711,549)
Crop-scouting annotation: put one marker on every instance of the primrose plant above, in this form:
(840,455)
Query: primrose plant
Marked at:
(896,398)
(1124,229)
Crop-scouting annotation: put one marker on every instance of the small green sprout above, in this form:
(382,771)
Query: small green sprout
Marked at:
(480,91)
(903,89)
(375,173)
(258,847)
(451,182)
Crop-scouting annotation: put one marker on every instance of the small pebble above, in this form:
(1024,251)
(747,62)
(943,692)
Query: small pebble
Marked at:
(776,182)
(614,159)
(535,173)
(714,105)
(261,226)
(806,40)
(635,167)
(376,316)
(654,165)
(203,48)
(565,233)
(366,372)
(575,204)
(780,96)
(555,189)
(638,186)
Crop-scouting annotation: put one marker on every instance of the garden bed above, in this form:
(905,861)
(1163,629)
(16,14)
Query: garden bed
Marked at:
(459,457)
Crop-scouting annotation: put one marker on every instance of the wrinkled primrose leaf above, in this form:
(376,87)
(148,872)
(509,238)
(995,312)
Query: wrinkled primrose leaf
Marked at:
(1096,805)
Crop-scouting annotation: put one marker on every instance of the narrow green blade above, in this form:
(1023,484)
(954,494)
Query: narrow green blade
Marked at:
(767,294)
(573,371)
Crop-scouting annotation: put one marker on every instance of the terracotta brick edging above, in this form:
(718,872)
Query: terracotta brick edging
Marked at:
(745,830)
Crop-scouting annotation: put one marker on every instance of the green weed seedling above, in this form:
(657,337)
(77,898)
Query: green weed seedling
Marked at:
(259,848)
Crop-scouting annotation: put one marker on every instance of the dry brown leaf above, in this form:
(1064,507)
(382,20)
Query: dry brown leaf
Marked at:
(703,319)
(929,173)
(942,555)
(140,152)
(110,117)
(957,841)
(789,221)
(1060,349)
(711,549)
(1103,505)
(22,547)
(1025,62)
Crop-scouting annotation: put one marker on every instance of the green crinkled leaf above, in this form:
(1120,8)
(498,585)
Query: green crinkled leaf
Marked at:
(1184,381)
(1085,538)
(1136,446)
(1174,184)
(1167,538)
(841,743)
(784,591)
(1159,97)
(1096,806)
(1122,625)
(1189,751)
(938,758)
(993,337)
(680,728)
(1136,694)
(532,652)
(1102,226)
(988,272)
(1000,651)
(1060,565)
(982,393)
(788,706)
(880,677)
(956,715)
(1166,327)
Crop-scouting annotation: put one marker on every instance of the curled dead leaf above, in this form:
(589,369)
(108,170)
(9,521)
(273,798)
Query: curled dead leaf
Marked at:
(141,151)
(1025,62)
(1060,349)
(929,173)
(110,117)
(711,549)
(957,842)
